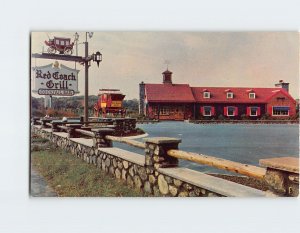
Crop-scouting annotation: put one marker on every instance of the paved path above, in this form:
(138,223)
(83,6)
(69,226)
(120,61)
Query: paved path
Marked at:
(39,187)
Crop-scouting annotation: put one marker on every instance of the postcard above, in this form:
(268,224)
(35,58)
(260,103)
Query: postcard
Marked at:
(164,114)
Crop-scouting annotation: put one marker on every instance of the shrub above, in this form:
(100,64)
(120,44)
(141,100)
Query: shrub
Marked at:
(221,117)
(245,117)
(265,116)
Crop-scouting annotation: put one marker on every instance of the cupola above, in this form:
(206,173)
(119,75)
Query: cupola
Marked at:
(167,77)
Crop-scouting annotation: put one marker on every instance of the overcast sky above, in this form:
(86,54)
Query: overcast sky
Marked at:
(237,59)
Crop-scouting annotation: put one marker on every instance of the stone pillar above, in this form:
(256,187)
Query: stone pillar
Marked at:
(99,140)
(119,124)
(34,120)
(282,175)
(44,121)
(54,127)
(71,130)
(156,152)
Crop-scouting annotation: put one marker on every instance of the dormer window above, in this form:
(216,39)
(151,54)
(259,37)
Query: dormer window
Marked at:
(229,95)
(206,94)
(252,95)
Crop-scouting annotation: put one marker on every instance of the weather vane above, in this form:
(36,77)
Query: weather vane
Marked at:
(167,62)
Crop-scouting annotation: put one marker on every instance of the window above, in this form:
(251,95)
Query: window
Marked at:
(67,43)
(57,42)
(229,95)
(280,111)
(164,110)
(280,98)
(253,111)
(206,111)
(62,42)
(206,94)
(154,110)
(252,95)
(230,111)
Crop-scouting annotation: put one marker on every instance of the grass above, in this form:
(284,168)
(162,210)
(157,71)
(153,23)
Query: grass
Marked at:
(71,177)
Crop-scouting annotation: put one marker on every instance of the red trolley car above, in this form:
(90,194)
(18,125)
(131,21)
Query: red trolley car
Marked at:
(110,103)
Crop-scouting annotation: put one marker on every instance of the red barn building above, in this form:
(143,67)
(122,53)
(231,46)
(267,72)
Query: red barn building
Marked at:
(168,101)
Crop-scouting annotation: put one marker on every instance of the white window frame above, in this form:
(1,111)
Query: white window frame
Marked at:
(228,109)
(229,95)
(164,110)
(206,95)
(280,114)
(62,42)
(251,95)
(255,111)
(204,111)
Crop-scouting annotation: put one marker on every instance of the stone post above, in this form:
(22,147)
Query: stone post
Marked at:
(99,140)
(156,152)
(119,124)
(34,120)
(44,121)
(54,127)
(71,130)
(282,175)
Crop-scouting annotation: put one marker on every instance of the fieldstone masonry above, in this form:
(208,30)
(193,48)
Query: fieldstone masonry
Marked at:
(71,130)
(282,175)
(99,140)
(138,171)
(156,152)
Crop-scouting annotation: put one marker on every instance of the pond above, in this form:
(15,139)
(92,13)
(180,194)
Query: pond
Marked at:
(245,143)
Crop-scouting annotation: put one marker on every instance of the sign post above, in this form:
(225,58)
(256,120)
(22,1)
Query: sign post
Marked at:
(52,80)
(63,87)
(86,82)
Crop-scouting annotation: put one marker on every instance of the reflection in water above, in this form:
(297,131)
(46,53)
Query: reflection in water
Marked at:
(240,143)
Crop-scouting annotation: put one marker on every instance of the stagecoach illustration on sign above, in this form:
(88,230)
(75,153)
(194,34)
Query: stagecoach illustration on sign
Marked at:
(61,45)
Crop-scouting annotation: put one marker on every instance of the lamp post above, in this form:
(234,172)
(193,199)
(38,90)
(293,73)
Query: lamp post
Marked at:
(97,57)
(76,38)
(86,83)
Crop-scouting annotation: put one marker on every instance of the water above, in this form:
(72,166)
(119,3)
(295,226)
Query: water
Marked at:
(240,143)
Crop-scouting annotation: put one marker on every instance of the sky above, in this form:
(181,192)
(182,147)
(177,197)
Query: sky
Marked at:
(216,59)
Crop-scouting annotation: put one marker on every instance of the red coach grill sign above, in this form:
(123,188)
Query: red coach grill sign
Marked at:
(52,80)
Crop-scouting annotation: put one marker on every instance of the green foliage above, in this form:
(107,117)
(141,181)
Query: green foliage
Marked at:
(132,106)
(245,117)
(266,117)
(37,103)
(221,117)
(71,177)
(140,131)
(75,105)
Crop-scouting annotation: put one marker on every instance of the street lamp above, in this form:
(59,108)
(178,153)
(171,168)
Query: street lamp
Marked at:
(76,38)
(97,58)
(90,35)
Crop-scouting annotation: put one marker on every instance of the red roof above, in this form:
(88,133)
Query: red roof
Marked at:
(183,93)
(240,94)
(169,93)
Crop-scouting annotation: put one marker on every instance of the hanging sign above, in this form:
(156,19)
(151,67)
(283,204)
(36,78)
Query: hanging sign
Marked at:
(52,80)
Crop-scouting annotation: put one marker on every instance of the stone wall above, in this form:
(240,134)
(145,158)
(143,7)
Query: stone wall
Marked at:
(153,173)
